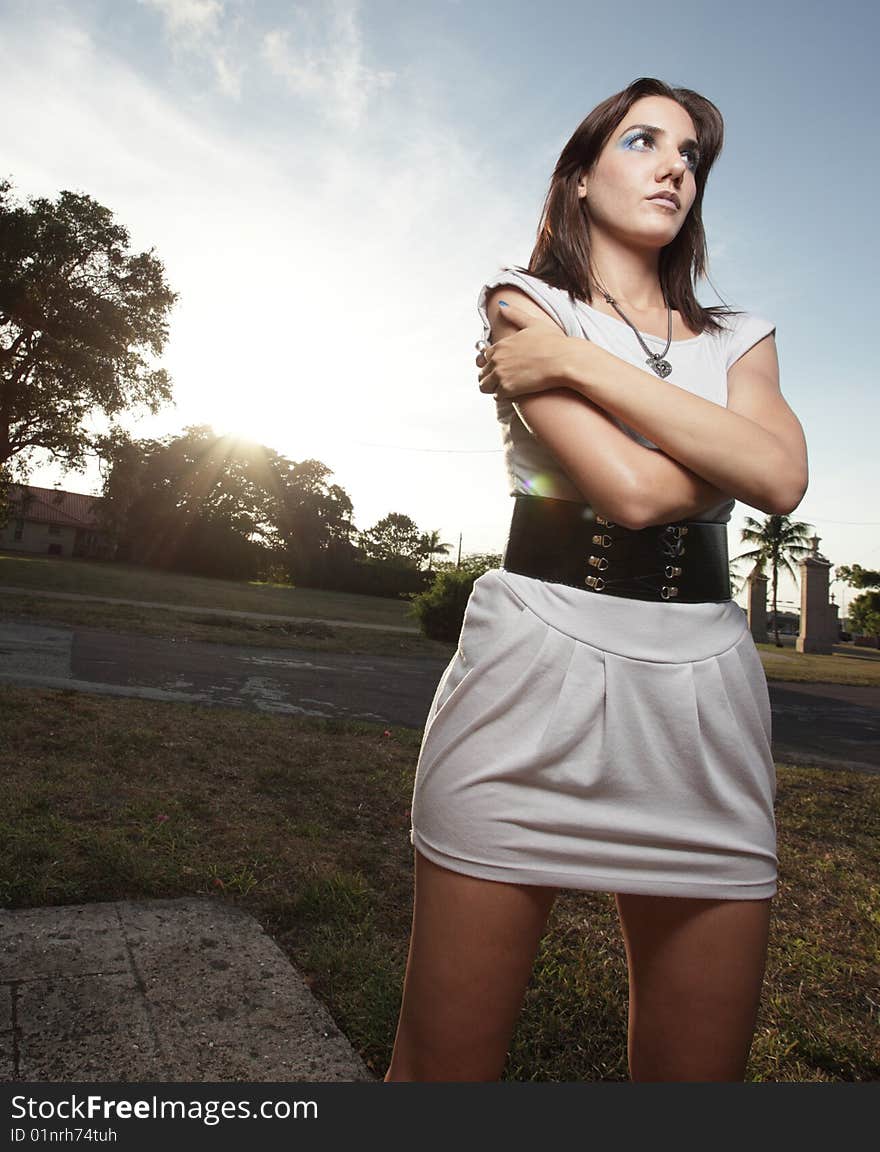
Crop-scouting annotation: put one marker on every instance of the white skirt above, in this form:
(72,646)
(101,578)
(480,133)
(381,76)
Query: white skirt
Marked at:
(587,741)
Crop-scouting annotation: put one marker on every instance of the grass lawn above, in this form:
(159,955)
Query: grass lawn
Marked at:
(128,582)
(131,582)
(861,667)
(169,623)
(304,823)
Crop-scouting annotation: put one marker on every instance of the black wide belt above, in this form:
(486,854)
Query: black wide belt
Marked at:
(566,542)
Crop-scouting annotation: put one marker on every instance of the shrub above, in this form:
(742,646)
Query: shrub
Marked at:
(440,608)
(474,562)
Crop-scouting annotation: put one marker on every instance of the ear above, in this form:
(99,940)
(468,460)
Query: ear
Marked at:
(582,186)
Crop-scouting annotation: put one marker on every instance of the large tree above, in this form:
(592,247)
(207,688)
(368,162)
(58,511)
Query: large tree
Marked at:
(857,576)
(218,504)
(864,614)
(395,539)
(312,519)
(779,540)
(864,611)
(196,501)
(82,321)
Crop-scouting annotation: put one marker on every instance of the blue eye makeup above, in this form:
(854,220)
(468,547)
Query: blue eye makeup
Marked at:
(631,138)
(629,141)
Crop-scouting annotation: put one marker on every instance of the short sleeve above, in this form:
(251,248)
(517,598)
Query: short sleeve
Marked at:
(554,301)
(749,329)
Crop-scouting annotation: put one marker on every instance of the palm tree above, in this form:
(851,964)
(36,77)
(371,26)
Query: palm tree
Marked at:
(737,582)
(779,540)
(431,546)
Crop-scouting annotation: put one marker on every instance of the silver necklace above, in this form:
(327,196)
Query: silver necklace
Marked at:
(656,360)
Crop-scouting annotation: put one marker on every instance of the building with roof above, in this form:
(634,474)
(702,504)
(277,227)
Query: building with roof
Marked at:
(52,522)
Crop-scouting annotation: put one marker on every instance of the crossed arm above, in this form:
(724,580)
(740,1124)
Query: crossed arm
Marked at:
(752,450)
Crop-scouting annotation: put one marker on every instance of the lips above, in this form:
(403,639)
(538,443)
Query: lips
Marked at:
(667,198)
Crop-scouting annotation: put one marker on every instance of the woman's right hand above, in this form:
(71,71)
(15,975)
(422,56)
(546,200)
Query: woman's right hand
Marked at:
(532,358)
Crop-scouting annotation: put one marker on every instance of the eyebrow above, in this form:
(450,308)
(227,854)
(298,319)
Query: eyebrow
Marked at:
(688,143)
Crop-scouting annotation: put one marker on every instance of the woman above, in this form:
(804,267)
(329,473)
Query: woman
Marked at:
(605,722)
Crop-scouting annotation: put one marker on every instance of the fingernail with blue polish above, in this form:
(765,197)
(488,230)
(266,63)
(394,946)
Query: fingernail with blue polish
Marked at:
(502,304)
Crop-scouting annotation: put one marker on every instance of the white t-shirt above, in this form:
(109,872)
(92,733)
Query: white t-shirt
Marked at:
(699,365)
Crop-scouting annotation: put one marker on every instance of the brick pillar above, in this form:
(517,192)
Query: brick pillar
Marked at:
(834,621)
(757,604)
(818,620)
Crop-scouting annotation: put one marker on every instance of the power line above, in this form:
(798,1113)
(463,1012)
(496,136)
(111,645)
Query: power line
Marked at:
(856,523)
(410,448)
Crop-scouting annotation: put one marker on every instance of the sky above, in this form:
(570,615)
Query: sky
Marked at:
(328,185)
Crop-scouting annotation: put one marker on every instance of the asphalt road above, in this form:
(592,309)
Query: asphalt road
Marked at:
(383,689)
(821,724)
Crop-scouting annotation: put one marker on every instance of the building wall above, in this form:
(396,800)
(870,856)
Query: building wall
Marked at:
(45,539)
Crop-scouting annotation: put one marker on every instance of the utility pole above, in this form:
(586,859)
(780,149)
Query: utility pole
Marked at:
(458,561)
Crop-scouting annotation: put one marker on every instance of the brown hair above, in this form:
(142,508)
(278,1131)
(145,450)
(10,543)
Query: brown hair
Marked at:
(561,256)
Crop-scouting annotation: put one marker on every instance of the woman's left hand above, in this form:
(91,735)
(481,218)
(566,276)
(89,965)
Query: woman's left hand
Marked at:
(530,360)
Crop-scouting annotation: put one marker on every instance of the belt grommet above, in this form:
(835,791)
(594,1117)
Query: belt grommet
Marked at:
(607,523)
(668,591)
(600,562)
(672,571)
(604,540)
(595,582)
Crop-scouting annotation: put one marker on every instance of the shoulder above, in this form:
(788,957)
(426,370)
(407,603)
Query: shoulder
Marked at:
(555,302)
(741,331)
(499,317)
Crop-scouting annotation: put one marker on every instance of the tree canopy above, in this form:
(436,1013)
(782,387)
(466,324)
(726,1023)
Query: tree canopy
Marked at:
(864,611)
(394,539)
(213,504)
(312,517)
(857,576)
(82,321)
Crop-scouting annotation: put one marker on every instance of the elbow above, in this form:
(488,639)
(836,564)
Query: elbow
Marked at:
(634,521)
(644,503)
(618,512)
(636,509)
(617,498)
(784,497)
(631,506)
(633,514)
(783,504)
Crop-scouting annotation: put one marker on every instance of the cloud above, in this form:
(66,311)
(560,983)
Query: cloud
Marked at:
(198,28)
(189,17)
(327,279)
(324,56)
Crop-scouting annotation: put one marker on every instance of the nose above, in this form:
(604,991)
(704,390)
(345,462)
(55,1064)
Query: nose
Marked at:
(672,166)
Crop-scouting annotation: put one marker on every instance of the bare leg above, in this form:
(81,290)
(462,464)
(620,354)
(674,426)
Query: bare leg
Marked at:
(471,954)
(695,974)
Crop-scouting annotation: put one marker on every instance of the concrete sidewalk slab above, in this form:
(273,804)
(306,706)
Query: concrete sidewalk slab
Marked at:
(159,990)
